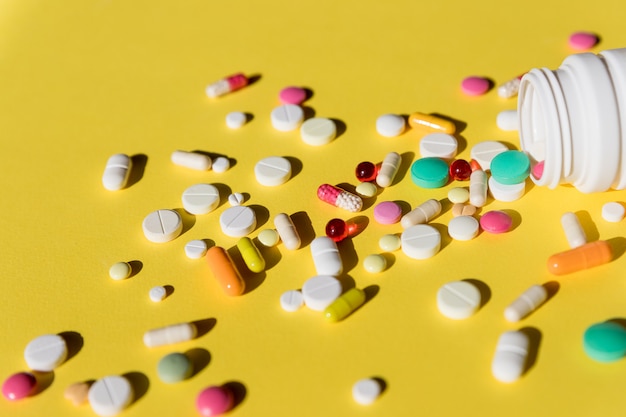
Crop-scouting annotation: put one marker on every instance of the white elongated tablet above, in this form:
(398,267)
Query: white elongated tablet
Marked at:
(196,249)
(421,241)
(509,361)
(291,300)
(201,198)
(193,160)
(574,232)
(439,145)
(287,231)
(526,303)
(506,192)
(422,213)
(484,152)
(318,131)
(463,228)
(287,117)
(478,188)
(366,391)
(110,395)
(390,125)
(238,221)
(320,291)
(161,226)
(235,119)
(168,335)
(507,120)
(116,172)
(458,299)
(388,169)
(326,256)
(221,164)
(45,353)
(272,171)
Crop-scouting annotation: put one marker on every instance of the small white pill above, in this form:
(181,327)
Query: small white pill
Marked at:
(574,232)
(388,169)
(110,395)
(116,172)
(287,231)
(238,221)
(318,131)
(157,293)
(458,299)
(366,391)
(236,119)
(291,300)
(287,117)
(421,241)
(201,198)
(168,335)
(269,237)
(478,188)
(507,120)
(613,212)
(196,249)
(390,125)
(526,303)
(463,228)
(484,152)
(326,256)
(320,291)
(221,164)
(272,171)
(193,160)
(421,214)
(236,199)
(509,361)
(45,353)
(506,192)
(440,145)
(161,226)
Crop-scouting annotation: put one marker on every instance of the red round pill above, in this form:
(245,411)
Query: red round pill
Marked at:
(366,171)
(214,400)
(337,229)
(460,170)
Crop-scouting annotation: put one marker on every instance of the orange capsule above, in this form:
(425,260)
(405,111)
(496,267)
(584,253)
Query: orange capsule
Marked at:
(225,271)
(583,257)
(431,123)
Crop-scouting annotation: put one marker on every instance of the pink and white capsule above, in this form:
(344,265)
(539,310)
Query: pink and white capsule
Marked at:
(339,198)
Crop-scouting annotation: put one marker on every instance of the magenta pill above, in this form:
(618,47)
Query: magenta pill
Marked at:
(366,171)
(214,400)
(292,95)
(496,222)
(583,41)
(18,386)
(387,212)
(460,170)
(475,86)
(537,169)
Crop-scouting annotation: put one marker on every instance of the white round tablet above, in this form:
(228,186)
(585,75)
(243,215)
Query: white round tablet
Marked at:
(463,228)
(45,353)
(238,221)
(458,299)
(366,391)
(201,198)
(484,152)
(110,395)
(507,120)
(221,164)
(613,212)
(157,293)
(287,117)
(272,171)
(236,199)
(438,145)
(506,192)
(320,291)
(421,241)
(291,300)
(390,125)
(162,226)
(318,131)
(196,249)
(235,119)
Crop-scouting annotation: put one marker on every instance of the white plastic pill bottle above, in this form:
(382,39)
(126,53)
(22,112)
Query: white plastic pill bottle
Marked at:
(574,120)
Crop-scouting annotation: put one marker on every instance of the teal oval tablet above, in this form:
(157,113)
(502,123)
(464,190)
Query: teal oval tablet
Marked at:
(605,342)
(510,167)
(174,367)
(430,172)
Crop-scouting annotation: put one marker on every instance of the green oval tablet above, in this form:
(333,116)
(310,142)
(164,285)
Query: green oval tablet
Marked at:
(510,167)
(430,172)
(605,342)
(174,367)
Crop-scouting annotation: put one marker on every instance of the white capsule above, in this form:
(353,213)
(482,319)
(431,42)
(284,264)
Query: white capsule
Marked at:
(421,214)
(388,169)
(478,188)
(574,232)
(116,172)
(193,160)
(287,231)
(526,303)
(509,361)
(326,256)
(507,120)
(170,334)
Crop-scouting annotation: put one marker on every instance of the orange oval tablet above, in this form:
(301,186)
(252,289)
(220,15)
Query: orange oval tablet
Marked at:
(583,257)
(225,271)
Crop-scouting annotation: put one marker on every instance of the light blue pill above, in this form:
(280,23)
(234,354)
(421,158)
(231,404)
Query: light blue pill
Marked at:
(510,167)
(174,367)
(605,342)
(430,172)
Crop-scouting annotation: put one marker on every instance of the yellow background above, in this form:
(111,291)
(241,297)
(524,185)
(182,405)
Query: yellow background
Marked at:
(82,80)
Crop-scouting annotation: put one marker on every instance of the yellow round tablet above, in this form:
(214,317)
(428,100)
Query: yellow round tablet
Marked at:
(389,243)
(120,270)
(375,263)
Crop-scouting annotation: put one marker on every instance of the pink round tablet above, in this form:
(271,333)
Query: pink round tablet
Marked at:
(537,169)
(475,86)
(496,222)
(214,400)
(582,41)
(387,212)
(18,386)
(292,95)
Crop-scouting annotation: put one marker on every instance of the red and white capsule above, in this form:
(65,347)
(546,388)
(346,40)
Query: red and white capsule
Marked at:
(227,85)
(339,198)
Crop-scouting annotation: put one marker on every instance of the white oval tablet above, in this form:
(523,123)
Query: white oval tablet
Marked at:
(238,221)
(318,131)
(366,391)
(439,145)
(613,212)
(320,291)
(509,361)
(458,299)
(235,119)
(201,198)
(196,249)
(157,293)
(116,172)
(193,160)
(287,231)
(506,192)
(390,125)
(287,117)
(291,300)
(110,395)
(484,152)
(272,171)
(45,353)
(236,199)
(463,228)
(221,164)
(326,256)
(162,226)
(421,241)
(507,120)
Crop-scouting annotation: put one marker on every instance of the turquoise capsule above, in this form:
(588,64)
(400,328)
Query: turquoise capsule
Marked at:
(343,306)
(605,342)
(251,255)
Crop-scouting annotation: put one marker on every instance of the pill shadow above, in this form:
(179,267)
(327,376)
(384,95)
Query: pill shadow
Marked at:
(189,220)
(483,289)
(135,267)
(458,124)
(381,383)
(296,165)
(618,320)
(405,164)
(271,255)
(356,225)
(169,290)
(224,191)
(534,341)
(252,280)
(349,257)
(140,384)
(254,78)
(340,127)
(588,225)
(249,117)
(74,342)
(404,206)
(200,359)
(552,287)
(346,281)
(370,291)
(390,259)
(139,162)
(515,217)
(44,380)
(203,326)
(309,112)
(446,205)
(238,390)
(461,143)
(261,213)
(303,224)
(308,93)
(618,246)
(443,231)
